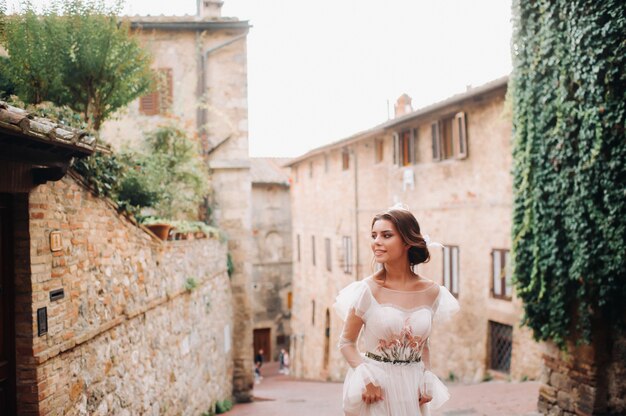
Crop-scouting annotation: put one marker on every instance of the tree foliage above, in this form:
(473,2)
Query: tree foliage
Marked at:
(76,53)
(569,222)
(168,177)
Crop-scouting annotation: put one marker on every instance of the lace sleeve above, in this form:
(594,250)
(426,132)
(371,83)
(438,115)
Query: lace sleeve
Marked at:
(352,297)
(445,306)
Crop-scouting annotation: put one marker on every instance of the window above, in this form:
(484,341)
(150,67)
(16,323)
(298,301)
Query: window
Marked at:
(501,286)
(449,137)
(289,300)
(328,258)
(378,150)
(451,269)
(310,169)
(500,346)
(325,163)
(404,147)
(347,255)
(313,249)
(312,312)
(298,247)
(345,159)
(445,132)
(158,101)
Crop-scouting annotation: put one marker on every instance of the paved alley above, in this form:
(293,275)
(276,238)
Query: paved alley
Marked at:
(280,395)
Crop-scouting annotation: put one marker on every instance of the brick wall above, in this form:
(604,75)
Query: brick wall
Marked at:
(128,337)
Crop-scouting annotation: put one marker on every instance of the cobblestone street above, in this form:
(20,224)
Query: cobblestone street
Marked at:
(279,395)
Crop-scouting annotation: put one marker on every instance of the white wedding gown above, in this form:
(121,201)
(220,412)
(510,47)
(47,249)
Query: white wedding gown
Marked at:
(394,325)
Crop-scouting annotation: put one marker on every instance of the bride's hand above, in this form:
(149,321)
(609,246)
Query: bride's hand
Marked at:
(372,394)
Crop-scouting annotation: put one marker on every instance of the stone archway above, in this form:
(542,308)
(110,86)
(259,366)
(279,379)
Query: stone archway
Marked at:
(326,341)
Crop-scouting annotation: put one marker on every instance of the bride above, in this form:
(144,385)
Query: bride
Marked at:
(393,310)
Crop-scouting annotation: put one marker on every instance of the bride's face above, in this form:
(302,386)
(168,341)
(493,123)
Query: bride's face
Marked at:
(387,244)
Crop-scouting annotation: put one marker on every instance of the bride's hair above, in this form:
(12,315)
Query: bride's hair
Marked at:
(409,230)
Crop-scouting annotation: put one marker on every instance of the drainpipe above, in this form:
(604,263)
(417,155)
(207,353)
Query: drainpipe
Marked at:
(356,211)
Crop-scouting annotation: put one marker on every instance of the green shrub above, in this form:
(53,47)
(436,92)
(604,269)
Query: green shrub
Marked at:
(223,406)
(190,284)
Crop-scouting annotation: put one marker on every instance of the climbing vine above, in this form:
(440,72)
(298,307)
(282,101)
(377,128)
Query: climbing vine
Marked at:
(569,221)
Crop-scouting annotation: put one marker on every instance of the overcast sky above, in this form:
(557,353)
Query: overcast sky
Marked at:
(319,71)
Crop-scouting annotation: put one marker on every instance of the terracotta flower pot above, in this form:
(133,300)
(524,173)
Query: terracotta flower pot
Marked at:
(160,230)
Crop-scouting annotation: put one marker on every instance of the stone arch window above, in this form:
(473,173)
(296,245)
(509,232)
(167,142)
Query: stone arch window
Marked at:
(274,246)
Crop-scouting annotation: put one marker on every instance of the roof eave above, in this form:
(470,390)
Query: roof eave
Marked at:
(191,25)
(410,117)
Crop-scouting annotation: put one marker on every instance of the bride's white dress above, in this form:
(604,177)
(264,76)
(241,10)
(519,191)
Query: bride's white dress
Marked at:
(395,326)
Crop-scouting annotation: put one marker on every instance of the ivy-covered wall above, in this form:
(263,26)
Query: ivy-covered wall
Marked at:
(569,226)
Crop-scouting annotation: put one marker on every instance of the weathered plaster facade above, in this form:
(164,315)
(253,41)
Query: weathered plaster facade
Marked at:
(461,201)
(207,57)
(272,256)
(129,336)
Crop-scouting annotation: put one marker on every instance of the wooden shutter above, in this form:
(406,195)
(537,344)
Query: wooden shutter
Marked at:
(149,104)
(460,135)
(436,138)
(396,149)
(412,158)
(160,100)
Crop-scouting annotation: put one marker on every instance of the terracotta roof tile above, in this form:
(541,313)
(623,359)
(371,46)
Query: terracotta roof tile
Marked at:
(20,121)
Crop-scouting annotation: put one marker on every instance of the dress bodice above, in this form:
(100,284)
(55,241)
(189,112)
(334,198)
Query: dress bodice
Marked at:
(398,332)
(396,324)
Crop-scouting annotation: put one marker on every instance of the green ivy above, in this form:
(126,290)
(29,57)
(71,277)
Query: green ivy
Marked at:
(569,221)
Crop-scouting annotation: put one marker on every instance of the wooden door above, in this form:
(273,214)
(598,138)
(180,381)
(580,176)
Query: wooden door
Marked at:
(262,340)
(7,332)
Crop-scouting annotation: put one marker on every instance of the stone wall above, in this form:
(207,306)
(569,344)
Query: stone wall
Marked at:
(145,327)
(585,380)
(209,99)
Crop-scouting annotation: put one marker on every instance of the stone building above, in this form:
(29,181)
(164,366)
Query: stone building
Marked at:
(98,315)
(202,85)
(450,162)
(271,257)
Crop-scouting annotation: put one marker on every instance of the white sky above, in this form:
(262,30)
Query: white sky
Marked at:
(319,71)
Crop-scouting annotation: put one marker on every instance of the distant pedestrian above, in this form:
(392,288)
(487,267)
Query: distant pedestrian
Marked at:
(283,359)
(258,363)
(286,362)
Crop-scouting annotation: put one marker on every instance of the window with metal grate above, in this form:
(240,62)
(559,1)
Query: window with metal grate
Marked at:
(500,346)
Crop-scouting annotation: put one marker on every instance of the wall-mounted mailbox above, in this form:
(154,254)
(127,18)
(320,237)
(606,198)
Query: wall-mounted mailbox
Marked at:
(56,294)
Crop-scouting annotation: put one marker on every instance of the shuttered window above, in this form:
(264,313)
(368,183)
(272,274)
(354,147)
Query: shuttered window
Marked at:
(160,100)
(451,269)
(449,137)
(501,276)
(405,147)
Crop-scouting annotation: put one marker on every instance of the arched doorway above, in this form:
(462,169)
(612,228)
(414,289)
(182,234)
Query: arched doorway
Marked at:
(326,340)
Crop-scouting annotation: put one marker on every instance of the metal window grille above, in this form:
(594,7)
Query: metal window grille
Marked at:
(501,345)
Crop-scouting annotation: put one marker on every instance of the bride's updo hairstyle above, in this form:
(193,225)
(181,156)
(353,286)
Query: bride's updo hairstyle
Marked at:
(409,230)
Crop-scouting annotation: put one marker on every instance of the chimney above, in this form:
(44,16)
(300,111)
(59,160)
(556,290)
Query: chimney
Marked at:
(403,105)
(209,9)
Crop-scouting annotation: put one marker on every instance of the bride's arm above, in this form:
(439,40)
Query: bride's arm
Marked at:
(347,346)
(347,341)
